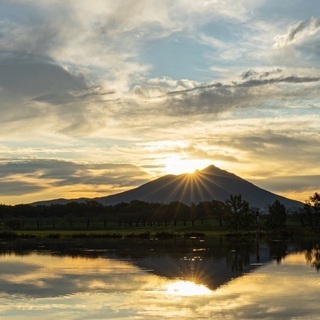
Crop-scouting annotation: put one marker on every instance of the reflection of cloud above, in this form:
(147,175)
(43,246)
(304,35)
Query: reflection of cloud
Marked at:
(74,288)
(257,295)
(12,269)
(187,288)
(50,276)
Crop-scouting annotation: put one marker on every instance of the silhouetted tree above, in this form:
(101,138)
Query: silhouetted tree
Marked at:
(106,215)
(239,214)
(53,220)
(218,210)
(309,215)
(120,213)
(277,216)
(314,202)
(184,213)
(193,213)
(13,223)
(178,211)
(203,210)
(70,218)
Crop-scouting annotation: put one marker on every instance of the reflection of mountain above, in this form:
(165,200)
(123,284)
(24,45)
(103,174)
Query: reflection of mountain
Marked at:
(213,262)
(204,267)
(205,185)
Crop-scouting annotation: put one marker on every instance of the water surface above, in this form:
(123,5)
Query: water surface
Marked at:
(196,279)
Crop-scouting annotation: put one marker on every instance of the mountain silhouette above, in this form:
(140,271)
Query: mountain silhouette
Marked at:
(208,184)
(205,185)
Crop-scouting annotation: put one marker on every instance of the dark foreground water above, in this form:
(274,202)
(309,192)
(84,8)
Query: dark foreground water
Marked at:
(172,279)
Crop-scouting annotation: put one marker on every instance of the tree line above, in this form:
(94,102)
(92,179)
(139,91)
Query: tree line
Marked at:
(233,214)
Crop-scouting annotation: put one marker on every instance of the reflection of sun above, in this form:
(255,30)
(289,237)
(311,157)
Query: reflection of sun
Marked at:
(187,288)
(176,165)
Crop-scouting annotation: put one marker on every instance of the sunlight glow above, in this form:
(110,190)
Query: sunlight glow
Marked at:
(187,288)
(177,165)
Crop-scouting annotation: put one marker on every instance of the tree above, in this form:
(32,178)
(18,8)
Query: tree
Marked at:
(193,213)
(313,207)
(121,213)
(218,210)
(106,215)
(70,218)
(179,211)
(203,210)
(309,215)
(277,215)
(239,214)
(212,209)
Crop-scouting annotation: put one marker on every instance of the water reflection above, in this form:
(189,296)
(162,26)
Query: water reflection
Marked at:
(113,280)
(40,275)
(313,257)
(186,288)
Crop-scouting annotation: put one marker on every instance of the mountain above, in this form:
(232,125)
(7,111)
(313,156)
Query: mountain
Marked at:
(205,185)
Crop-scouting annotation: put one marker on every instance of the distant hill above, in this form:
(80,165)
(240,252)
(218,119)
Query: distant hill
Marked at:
(205,185)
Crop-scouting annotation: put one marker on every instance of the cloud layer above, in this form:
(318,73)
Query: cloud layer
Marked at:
(137,84)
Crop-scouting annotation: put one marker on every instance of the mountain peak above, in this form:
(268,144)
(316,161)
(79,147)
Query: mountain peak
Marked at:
(210,183)
(211,168)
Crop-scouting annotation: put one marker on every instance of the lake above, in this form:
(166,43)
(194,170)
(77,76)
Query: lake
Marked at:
(218,278)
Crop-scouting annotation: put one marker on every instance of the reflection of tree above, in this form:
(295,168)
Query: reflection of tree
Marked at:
(239,258)
(313,257)
(278,250)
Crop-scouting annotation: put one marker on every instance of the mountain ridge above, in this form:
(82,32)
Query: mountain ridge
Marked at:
(210,183)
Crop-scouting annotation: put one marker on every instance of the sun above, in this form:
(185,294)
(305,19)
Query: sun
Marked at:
(177,165)
(187,288)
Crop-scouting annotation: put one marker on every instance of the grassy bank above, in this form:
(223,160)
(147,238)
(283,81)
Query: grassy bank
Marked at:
(145,233)
(151,233)
(97,229)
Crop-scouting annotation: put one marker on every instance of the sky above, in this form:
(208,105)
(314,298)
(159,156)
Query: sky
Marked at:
(101,96)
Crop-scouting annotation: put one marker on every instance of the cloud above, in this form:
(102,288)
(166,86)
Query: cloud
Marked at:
(253,78)
(286,184)
(282,144)
(73,36)
(31,176)
(84,49)
(40,95)
(300,46)
(17,187)
(298,32)
(30,75)
(28,79)
(187,150)
(255,88)
(253,74)
(75,76)
(107,35)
